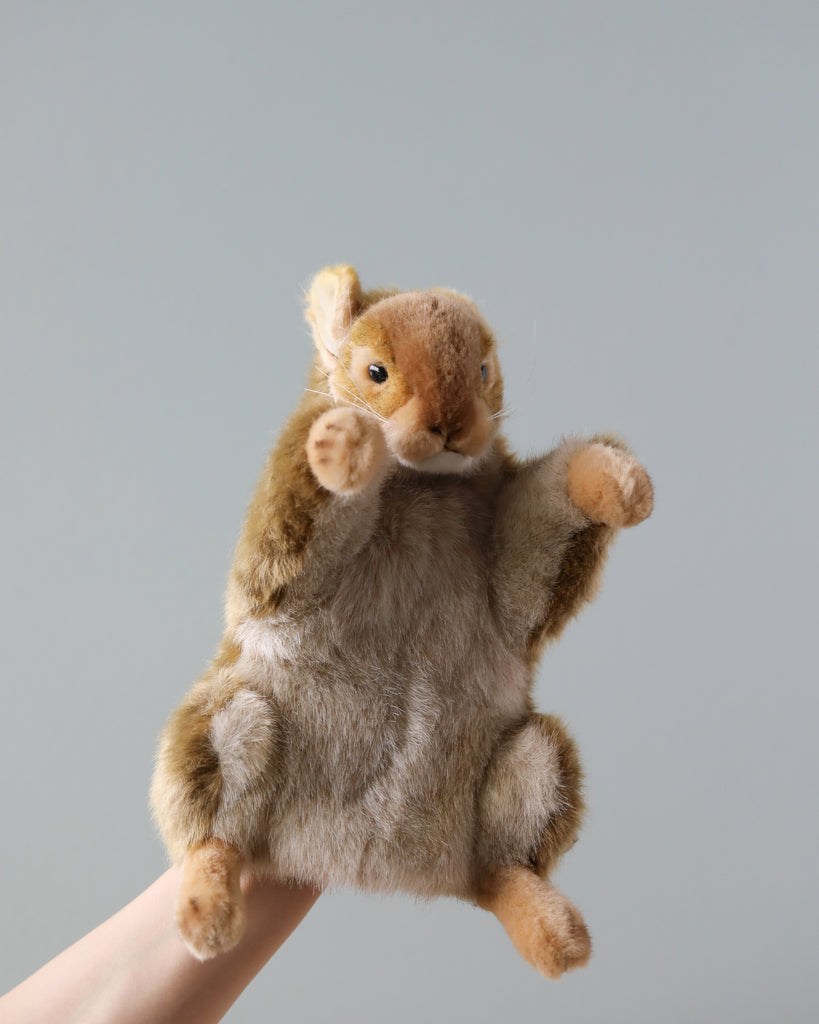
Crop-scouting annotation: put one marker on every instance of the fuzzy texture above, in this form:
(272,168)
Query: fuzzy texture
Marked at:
(547,930)
(210,908)
(367,721)
(345,450)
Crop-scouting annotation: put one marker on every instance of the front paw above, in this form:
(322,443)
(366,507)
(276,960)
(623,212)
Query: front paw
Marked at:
(610,486)
(346,450)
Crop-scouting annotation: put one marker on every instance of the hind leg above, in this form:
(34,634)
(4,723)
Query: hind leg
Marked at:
(531,807)
(208,793)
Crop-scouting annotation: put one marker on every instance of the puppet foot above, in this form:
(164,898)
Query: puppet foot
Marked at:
(610,486)
(546,929)
(210,907)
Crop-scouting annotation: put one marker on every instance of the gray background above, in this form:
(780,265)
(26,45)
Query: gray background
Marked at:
(630,191)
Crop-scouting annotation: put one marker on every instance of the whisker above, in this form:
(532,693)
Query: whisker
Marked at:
(359,398)
(361,394)
(354,401)
(361,401)
(352,394)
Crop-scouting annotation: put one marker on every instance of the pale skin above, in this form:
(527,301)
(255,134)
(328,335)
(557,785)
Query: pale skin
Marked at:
(135,969)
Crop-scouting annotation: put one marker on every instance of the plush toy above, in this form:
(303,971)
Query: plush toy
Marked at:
(367,720)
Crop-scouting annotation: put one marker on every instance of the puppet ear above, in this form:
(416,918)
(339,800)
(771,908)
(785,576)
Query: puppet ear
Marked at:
(333,302)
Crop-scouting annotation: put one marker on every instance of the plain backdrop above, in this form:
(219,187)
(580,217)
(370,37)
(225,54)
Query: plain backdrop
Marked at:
(630,192)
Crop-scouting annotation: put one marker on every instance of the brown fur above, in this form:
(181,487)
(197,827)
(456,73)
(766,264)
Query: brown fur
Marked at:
(577,583)
(564,827)
(368,718)
(279,522)
(192,778)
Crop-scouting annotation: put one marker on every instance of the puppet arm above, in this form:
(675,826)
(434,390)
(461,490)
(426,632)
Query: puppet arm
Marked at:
(317,498)
(556,517)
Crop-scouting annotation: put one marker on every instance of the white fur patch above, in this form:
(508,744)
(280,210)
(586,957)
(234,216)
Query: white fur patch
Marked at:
(444,462)
(242,736)
(622,468)
(522,789)
(262,644)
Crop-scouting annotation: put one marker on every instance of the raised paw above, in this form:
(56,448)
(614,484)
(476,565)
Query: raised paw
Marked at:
(210,907)
(345,449)
(610,486)
(546,929)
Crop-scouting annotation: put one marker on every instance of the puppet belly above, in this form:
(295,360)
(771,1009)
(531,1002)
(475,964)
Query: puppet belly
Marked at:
(381,754)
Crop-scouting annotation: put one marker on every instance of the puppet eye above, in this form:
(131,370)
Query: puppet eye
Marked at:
(377,373)
(483,373)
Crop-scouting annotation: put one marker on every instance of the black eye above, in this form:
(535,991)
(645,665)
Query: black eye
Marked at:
(377,373)
(483,373)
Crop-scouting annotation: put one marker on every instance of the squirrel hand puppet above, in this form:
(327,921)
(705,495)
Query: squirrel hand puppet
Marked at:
(367,720)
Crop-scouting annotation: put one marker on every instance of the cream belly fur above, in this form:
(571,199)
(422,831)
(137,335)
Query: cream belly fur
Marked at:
(392,800)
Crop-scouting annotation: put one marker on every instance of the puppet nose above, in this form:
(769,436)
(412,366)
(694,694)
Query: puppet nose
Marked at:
(446,432)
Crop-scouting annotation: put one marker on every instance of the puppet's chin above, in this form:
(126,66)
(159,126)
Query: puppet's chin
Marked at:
(444,462)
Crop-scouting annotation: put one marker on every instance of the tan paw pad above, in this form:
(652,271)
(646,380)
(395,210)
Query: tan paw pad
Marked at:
(345,449)
(210,923)
(558,939)
(210,908)
(610,486)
